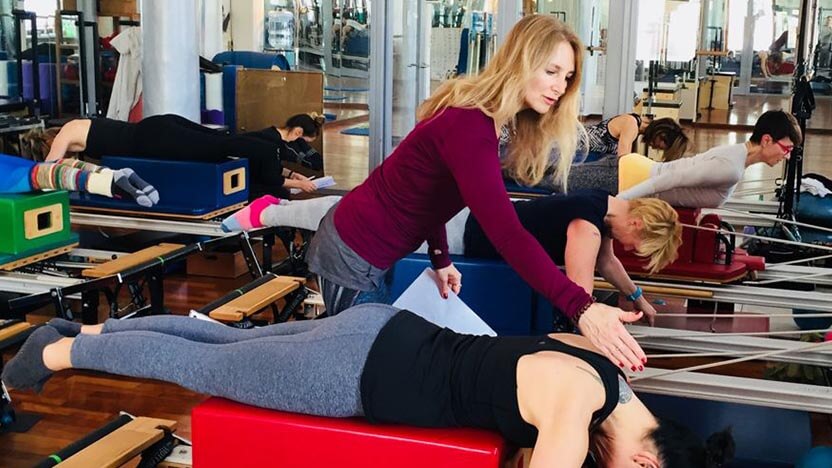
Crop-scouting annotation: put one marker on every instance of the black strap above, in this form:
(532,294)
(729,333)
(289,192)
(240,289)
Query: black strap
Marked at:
(606,370)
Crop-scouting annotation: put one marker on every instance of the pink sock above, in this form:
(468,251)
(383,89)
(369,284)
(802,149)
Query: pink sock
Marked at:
(249,217)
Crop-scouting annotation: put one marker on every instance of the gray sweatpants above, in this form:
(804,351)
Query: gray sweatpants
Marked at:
(310,367)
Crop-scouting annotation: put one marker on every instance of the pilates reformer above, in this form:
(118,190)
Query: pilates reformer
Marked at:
(107,279)
(125,438)
(292,265)
(690,382)
(234,309)
(744,346)
(239,306)
(149,265)
(778,285)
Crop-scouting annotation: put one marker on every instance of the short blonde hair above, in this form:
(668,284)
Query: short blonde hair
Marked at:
(661,232)
(499,92)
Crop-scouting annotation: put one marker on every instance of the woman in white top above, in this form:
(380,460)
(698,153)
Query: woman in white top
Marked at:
(705,180)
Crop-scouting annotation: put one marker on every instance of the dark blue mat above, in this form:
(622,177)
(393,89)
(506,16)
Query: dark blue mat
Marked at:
(359,130)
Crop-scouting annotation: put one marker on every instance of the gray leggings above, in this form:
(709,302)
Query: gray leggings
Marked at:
(599,175)
(310,367)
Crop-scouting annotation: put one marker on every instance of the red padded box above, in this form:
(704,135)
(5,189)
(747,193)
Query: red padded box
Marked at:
(227,434)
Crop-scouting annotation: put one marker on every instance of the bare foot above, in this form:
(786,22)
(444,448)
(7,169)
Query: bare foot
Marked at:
(56,355)
(92,329)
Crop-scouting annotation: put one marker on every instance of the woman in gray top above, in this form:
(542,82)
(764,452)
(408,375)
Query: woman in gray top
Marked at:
(705,180)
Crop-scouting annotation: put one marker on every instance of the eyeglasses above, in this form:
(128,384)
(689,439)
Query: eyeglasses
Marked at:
(786,149)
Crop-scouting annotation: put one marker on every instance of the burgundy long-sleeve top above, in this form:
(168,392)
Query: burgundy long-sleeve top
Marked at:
(446,163)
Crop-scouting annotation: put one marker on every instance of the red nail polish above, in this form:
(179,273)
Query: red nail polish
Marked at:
(641,368)
(633,368)
(644,360)
(621,364)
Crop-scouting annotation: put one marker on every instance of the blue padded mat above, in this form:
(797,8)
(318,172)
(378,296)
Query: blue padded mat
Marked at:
(361,130)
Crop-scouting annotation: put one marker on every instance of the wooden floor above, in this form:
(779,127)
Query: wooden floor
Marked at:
(75,403)
(747,108)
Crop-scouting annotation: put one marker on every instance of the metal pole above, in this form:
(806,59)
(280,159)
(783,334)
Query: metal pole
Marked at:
(381,83)
(87,40)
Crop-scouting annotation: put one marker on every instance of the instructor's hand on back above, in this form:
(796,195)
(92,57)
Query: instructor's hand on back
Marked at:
(604,327)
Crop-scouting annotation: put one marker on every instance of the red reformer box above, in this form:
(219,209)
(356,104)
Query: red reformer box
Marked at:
(227,434)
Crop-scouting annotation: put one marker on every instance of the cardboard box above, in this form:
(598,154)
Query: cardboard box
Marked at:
(120,8)
(223,262)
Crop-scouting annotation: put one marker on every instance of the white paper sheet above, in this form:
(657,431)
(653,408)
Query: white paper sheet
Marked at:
(423,299)
(321,182)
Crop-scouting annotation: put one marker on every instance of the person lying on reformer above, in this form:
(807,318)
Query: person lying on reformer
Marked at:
(173,137)
(705,180)
(554,393)
(449,161)
(19,175)
(618,135)
(575,230)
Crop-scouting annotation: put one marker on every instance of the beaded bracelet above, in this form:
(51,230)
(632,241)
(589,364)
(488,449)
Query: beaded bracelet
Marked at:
(582,310)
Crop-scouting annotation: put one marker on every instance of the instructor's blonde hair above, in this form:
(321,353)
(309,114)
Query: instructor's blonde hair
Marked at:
(499,92)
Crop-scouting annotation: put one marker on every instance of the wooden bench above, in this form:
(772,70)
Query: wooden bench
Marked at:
(12,329)
(121,445)
(126,262)
(256,299)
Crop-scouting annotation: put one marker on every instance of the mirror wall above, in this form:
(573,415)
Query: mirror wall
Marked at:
(728,60)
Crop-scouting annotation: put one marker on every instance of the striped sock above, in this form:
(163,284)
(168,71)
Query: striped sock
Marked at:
(78,164)
(56,176)
(249,217)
